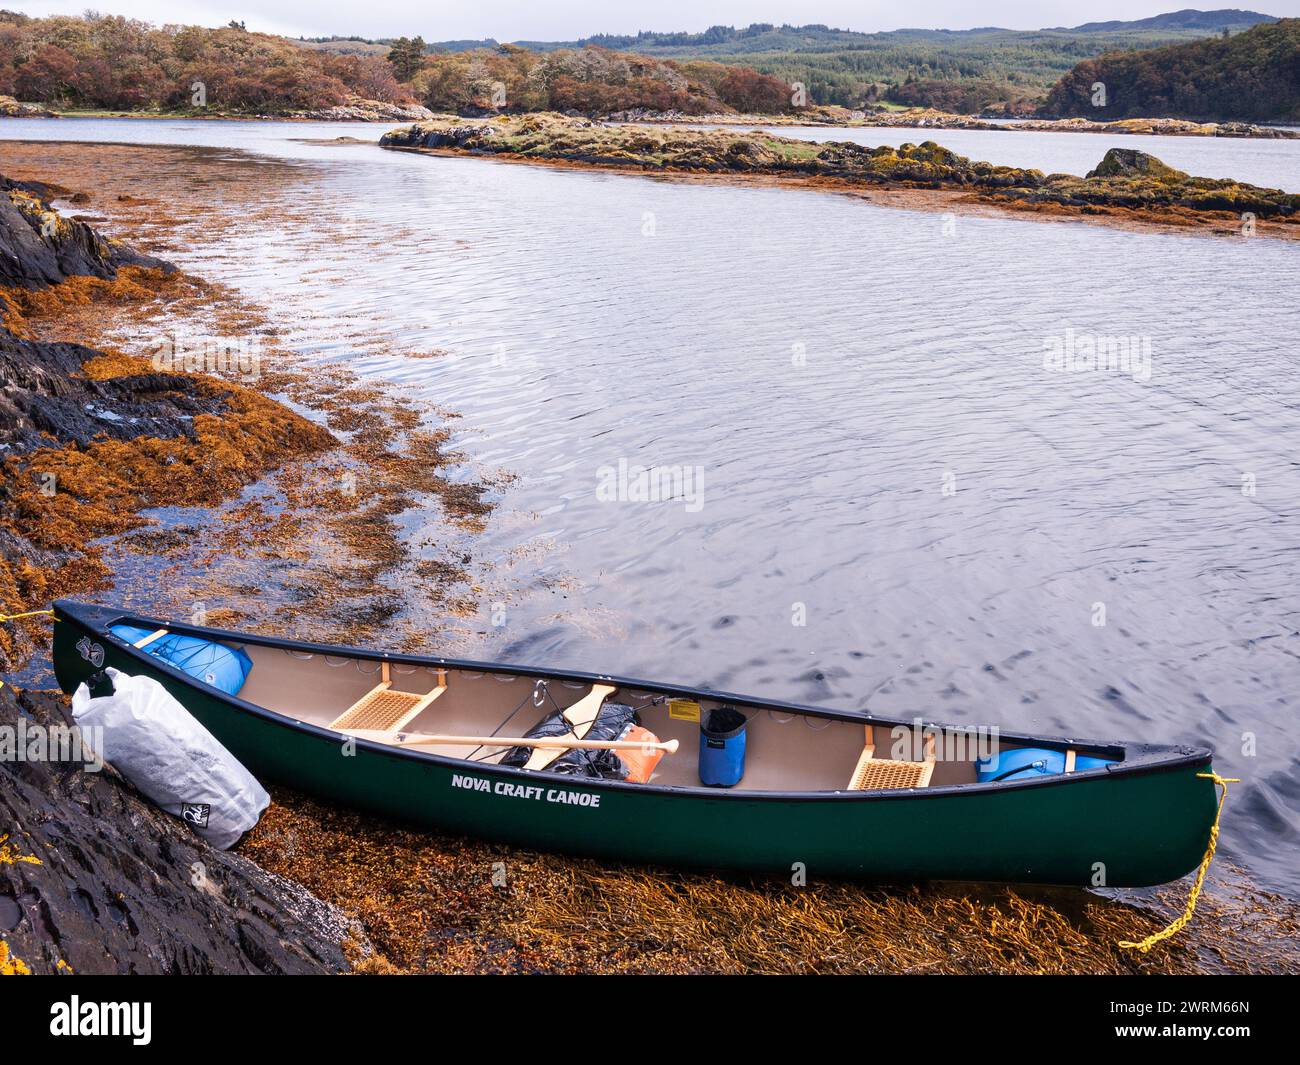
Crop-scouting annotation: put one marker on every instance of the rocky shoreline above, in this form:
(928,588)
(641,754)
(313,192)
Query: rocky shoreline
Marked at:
(1128,186)
(928,118)
(94,879)
(359,109)
(89,437)
(354,109)
(11,108)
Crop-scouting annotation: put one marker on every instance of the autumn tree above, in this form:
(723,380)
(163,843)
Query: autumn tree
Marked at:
(754,93)
(48,75)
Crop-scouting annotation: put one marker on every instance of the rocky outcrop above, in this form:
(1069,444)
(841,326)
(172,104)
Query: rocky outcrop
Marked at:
(92,877)
(1131,163)
(1126,179)
(45,396)
(96,880)
(453,135)
(39,247)
(924,118)
(359,109)
(11,108)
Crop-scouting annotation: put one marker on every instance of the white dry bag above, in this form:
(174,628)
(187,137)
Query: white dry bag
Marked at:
(154,742)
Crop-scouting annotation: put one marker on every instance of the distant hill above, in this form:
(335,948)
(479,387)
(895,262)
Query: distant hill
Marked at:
(767,37)
(851,68)
(1187,19)
(1253,76)
(342,45)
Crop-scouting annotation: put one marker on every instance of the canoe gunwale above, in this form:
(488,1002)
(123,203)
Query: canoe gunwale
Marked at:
(1138,758)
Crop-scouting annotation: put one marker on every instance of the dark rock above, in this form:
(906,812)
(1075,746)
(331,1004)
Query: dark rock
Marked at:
(123,888)
(44,398)
(417,137)
(38,247)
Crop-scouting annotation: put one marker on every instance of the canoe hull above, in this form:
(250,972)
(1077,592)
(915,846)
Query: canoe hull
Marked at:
(1120,829)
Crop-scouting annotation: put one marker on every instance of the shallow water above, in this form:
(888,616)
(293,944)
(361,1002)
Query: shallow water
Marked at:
(881,453)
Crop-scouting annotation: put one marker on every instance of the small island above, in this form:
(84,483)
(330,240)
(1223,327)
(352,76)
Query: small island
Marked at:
(1128,187)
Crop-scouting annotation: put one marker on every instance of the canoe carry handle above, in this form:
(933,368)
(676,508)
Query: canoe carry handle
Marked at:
(563,743)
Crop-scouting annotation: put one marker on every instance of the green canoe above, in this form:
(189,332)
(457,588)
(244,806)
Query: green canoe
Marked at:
(827,792)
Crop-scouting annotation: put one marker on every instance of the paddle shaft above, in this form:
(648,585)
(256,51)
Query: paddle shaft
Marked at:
(561,742)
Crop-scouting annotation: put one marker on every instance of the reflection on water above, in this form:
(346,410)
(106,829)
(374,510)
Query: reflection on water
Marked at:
(879,446)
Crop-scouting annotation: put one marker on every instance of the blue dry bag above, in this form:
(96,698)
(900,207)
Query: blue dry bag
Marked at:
(1026,762)
(225,668)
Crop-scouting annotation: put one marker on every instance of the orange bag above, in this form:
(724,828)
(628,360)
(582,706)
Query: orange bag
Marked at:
(640,764)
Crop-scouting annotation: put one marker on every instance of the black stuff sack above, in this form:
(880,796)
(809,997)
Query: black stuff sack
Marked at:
(612,722)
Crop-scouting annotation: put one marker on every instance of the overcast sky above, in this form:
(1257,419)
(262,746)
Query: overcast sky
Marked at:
(555,20)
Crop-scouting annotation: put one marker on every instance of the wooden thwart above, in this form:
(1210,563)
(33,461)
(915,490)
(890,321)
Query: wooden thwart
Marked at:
(149,639)
(873,774)
(580,716)
(386,709)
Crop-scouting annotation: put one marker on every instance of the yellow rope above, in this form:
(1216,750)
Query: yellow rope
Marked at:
(29,614)
(1178,925)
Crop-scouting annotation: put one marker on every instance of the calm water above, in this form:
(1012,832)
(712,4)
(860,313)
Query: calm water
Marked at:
(879,447)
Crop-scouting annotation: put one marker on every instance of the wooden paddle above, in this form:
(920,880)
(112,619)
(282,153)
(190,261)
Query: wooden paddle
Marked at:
(402,739)
(580,716)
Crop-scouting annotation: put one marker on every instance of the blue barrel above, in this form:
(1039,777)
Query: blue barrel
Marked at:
(722,747)
(1026,762)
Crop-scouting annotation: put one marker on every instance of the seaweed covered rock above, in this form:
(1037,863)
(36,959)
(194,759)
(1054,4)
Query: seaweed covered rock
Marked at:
(1133,179)
(467,135)
(94,879)
(88,439)
(1129,162)
(45,396)
(39,247)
